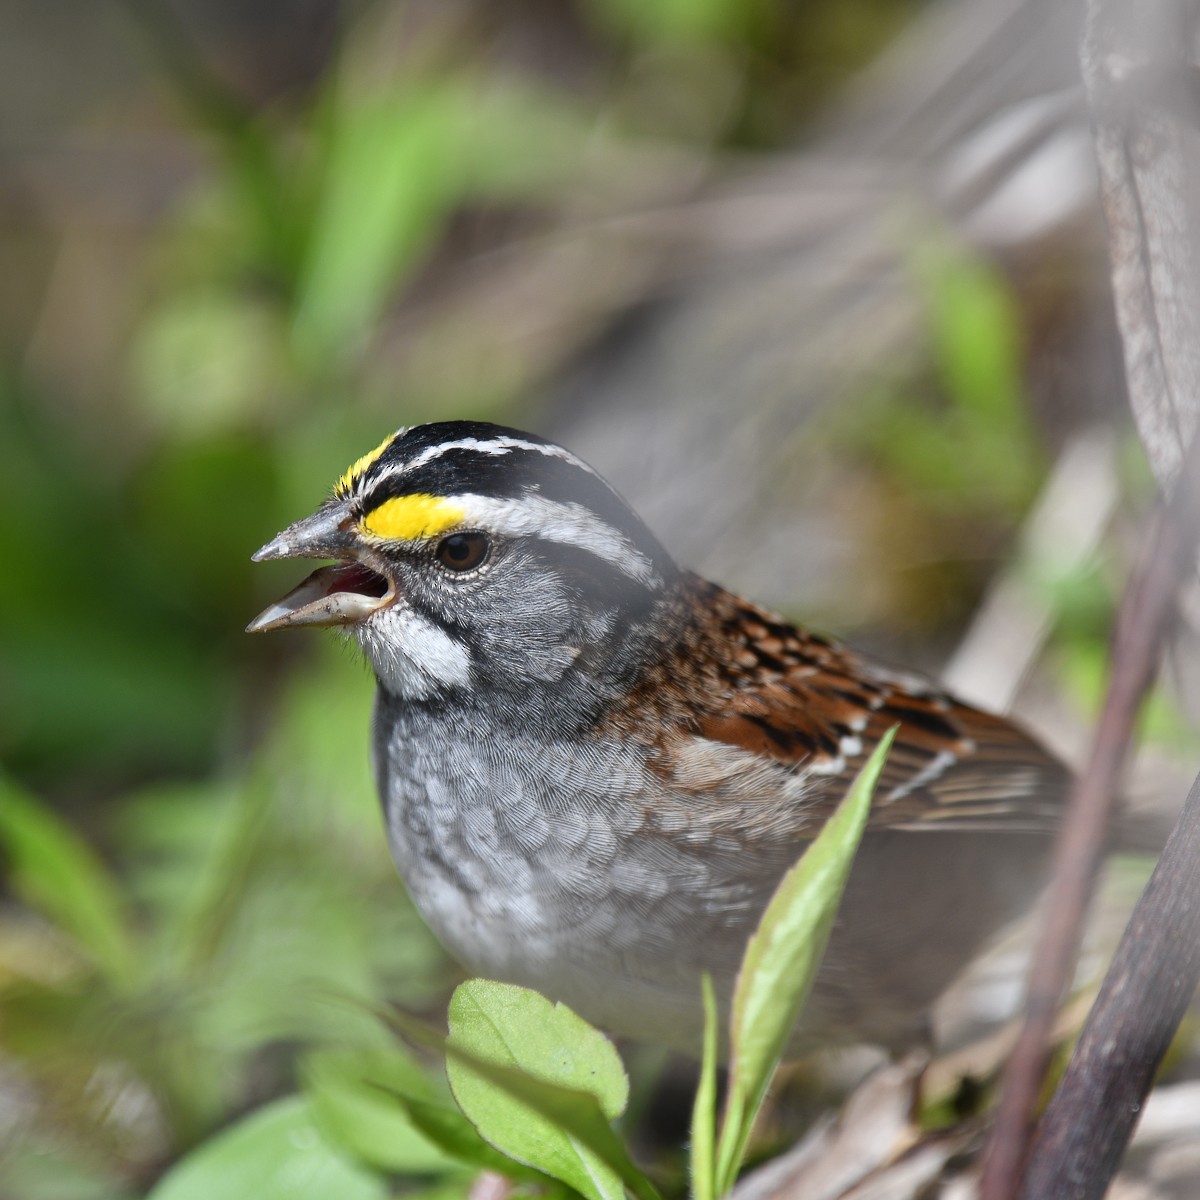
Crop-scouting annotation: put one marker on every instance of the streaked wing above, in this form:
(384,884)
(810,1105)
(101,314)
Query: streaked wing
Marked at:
(797,699)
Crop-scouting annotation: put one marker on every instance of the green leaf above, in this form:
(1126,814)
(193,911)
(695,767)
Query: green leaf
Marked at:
(350,1092)
(276,1153)
(540,1084)
(54,871)
(393,173)
(452,1133)
(781,963)
(702,1158)
(513,1026)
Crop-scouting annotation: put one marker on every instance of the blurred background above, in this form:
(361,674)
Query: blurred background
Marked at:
(820,285)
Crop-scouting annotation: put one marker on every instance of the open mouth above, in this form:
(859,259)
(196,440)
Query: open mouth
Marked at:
(341,594)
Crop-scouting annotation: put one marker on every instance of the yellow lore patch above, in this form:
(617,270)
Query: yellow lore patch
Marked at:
(406,518)
(359,467)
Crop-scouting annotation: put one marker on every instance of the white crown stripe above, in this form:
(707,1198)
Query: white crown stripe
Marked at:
(493,446)
(569,523)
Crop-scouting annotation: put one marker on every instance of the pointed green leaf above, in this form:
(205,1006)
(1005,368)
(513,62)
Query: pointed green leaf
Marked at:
(781,963)
(702,1157)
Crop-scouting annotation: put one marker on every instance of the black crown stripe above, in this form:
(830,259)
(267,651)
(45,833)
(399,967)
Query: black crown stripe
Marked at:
(512,475)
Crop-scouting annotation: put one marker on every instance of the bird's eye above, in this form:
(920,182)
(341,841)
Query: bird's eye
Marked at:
(462,551)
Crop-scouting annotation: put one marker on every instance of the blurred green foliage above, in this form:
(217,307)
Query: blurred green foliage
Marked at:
(254,911)
(959,436)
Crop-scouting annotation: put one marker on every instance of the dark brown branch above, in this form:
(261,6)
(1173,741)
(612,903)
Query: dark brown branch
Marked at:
(1145,994)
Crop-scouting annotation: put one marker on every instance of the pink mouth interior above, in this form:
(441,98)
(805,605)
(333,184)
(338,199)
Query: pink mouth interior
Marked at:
(354,577)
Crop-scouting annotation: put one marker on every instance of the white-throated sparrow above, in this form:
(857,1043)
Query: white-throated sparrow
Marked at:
(595,766)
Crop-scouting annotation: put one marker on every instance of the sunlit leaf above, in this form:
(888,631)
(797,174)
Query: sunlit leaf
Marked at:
(541,1085)
(702,1154)
(781,962)
(516,1027)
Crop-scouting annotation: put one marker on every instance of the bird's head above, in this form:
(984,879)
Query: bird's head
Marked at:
(468,555)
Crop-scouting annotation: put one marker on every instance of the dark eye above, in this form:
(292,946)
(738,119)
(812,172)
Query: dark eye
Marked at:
(462,551)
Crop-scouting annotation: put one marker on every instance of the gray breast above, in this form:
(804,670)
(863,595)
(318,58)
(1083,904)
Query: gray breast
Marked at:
(541,863)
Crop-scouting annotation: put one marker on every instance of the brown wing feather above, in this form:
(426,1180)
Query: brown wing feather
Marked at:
(798,700)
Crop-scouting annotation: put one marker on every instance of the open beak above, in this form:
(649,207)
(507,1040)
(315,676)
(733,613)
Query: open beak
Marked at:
(344,593)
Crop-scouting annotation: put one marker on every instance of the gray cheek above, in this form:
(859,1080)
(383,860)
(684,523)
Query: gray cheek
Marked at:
(524,624)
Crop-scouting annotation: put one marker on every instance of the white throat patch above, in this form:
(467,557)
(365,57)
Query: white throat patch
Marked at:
(413,657)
